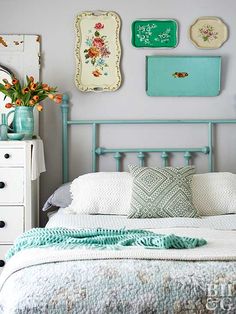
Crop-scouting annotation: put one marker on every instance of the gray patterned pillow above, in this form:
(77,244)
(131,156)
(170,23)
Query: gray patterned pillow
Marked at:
(162,192)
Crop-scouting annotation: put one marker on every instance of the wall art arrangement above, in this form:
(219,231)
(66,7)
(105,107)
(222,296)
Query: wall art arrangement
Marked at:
(98,54)
(157,33)
(208,33)
(183,75)
(98,51)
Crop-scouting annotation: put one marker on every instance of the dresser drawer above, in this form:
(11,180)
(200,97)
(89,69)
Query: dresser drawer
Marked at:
(3,251)
(12,157)
(11,185)
(11,223)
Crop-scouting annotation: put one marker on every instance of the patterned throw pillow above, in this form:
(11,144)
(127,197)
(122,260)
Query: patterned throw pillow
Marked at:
(162,192)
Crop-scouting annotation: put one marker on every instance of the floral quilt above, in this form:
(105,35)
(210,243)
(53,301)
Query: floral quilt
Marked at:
(121,286)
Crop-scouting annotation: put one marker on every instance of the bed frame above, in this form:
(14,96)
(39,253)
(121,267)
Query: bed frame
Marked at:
(117,152)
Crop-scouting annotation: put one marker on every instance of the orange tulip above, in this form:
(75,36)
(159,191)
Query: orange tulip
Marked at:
(36,98)
(8,105)
(33,86)
(25,90)
(31,79)
(58,98)
(45,87)
(31,102)
(18,102)
(39,107)
(14,81)
(51,96)
(8,86)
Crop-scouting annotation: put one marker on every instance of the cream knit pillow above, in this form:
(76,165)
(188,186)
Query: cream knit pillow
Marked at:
(107,193)
(214,193)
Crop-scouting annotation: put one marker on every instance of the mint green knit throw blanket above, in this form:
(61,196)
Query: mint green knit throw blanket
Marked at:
(100,238)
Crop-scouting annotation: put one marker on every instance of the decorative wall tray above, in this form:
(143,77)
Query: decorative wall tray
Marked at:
(98,51)
(183,75)
(157,33)
(208,32)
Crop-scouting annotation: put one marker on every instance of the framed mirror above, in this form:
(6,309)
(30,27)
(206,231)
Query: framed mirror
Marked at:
(5,73)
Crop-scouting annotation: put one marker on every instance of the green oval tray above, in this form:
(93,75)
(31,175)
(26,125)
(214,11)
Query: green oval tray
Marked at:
(157,33)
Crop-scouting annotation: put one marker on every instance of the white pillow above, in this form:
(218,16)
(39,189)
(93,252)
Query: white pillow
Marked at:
(107,193)
(214,193)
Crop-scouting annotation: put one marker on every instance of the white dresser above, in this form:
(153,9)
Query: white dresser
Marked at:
(18,193)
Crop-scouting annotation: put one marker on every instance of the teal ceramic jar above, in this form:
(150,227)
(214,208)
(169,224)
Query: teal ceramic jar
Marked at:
(23,121)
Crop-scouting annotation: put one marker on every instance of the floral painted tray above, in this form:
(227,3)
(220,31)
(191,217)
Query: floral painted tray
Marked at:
(157,33)
(98,51)
(208,32)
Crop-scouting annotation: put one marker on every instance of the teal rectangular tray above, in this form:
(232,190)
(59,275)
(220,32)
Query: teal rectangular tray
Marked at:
(155,33)
(183,75)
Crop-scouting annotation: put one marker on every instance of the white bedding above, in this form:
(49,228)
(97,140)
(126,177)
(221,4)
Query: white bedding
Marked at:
(220,243)
(220,247)
(73,221)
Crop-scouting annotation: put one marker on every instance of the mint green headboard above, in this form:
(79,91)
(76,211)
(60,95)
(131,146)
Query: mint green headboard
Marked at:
(117,152)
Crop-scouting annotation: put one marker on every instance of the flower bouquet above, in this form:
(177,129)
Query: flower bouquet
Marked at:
(24,97)
(28,94)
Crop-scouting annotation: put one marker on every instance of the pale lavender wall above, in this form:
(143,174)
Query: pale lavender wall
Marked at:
(54,21)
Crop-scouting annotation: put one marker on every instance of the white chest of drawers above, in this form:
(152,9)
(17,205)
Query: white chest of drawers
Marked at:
(18,193)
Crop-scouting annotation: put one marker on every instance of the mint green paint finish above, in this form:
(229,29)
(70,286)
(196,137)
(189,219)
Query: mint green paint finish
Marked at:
(94,145)
(117,156)
(102,150)
(155,33)
(210,145)
(3,128)
(165,157)
(23,121)
(141,157)
(65,148)
(156,121)
(187,157)
(141,152)
(183,75)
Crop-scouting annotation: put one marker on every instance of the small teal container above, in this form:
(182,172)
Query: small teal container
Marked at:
(3,128)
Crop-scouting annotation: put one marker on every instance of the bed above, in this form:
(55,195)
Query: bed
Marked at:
(132,279)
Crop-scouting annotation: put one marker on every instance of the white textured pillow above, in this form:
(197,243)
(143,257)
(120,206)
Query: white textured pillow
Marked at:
(214,193)
(106,193)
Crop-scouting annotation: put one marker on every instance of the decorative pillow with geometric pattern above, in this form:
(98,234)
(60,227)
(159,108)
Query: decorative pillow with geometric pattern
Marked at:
(161,192)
